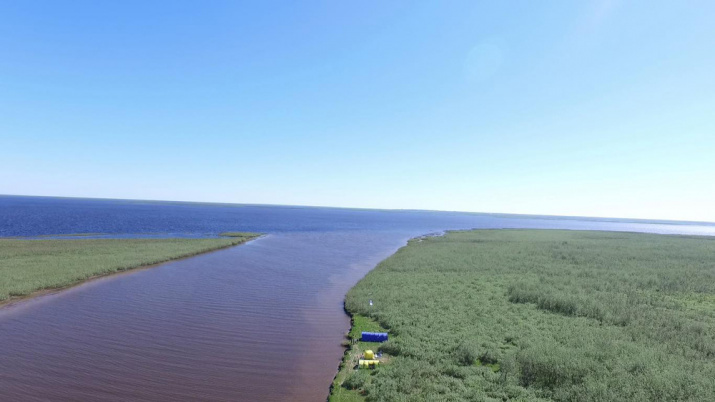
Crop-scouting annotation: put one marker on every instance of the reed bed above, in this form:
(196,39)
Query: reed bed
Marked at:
(543,315)
(28,266)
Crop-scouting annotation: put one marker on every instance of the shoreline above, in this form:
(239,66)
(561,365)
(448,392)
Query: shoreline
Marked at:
(351,341)
(489,283)
(14,300)
(349,346)
(353,350)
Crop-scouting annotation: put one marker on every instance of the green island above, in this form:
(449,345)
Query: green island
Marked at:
(28,267)
(537,315)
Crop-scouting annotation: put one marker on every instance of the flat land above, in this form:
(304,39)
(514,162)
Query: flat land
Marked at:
(30,266)
(539,315)
(349,381)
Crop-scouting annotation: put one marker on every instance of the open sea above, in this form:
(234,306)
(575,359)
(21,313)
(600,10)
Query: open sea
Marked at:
(257,322)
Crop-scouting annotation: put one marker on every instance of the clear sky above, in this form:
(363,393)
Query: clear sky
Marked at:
(595,108)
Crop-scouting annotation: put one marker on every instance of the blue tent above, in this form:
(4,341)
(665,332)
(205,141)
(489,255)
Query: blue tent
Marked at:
(374,336)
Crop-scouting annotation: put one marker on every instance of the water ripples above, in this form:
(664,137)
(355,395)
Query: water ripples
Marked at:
(259,322)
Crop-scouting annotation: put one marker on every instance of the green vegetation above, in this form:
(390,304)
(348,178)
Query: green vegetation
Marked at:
(247,235)
(27,266)
(350,382)
(543,315)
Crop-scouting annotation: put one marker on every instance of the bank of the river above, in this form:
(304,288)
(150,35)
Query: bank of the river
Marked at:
(348,383)
(33,267)
(539,315)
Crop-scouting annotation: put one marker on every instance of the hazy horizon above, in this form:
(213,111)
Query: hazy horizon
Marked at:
(590,109)
(604,218)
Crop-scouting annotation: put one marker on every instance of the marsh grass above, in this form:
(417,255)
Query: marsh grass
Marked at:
(28,266)
(246,235)
(544,315)
(350,383)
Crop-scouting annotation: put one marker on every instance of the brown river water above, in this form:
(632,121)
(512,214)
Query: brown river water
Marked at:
(257,322)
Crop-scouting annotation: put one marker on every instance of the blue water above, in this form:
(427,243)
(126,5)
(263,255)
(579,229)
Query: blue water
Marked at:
(34,216)
(257,322)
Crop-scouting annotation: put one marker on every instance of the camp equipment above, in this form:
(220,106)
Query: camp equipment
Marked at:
(374,336)
(368,363)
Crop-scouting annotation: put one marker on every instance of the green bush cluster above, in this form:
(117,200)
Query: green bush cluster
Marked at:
(356,379)
(544,315)
(467,353)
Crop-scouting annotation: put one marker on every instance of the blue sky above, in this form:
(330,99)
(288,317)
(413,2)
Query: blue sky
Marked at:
(595,108)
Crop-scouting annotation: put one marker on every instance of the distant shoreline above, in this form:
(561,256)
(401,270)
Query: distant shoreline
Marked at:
(191,248)
(517,215)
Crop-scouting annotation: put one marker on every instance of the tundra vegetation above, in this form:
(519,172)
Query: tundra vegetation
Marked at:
(28,266)
(349,381)
(541,315)
(238,234)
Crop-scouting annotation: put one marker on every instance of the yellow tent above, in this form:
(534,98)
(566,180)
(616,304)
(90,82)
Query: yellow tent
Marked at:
(368,363)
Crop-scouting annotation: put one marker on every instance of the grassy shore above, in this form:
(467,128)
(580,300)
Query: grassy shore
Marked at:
(349,383)
(540,315)
(29,266)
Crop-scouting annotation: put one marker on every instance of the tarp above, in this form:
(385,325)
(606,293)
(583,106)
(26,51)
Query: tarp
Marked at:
(374,336)
(367,363)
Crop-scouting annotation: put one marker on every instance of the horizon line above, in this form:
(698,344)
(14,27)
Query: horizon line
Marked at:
(572,217)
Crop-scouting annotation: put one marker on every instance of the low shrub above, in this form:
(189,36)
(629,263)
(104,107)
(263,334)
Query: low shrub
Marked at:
(544,315)
(356,379)
(467,353)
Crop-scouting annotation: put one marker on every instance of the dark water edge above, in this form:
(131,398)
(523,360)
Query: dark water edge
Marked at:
(36,216)
(257,322)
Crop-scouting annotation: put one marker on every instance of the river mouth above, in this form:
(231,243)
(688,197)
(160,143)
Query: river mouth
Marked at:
(261,321)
